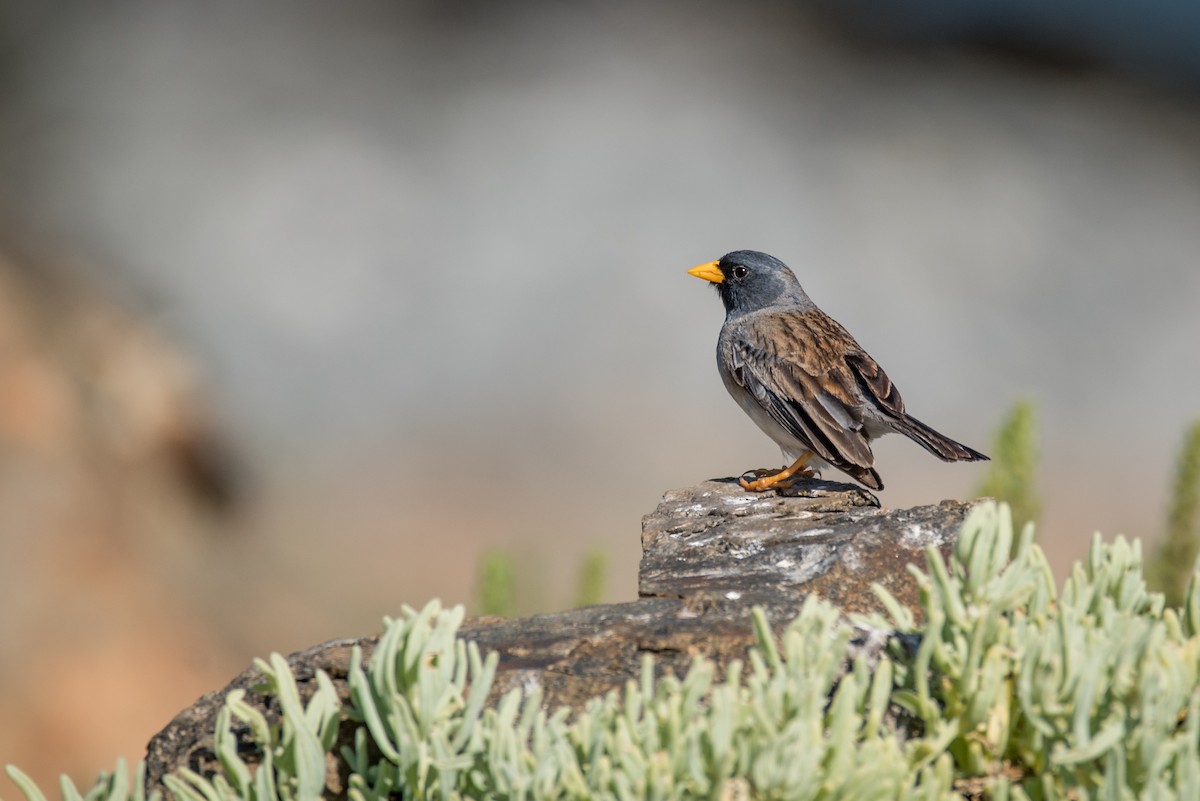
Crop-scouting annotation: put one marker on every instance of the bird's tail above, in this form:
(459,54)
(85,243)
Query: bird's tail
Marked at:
(939,445)
(863,475)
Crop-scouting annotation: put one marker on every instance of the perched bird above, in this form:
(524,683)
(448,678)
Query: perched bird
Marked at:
(803,379)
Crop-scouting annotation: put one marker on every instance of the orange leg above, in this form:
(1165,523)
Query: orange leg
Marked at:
(782,477)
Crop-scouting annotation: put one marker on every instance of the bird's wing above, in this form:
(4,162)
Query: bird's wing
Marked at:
(795,366)
(875,383)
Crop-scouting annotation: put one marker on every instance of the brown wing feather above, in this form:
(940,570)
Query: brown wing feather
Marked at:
(791,365)
(871,378)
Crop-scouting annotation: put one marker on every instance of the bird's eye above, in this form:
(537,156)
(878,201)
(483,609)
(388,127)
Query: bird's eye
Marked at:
(740,272)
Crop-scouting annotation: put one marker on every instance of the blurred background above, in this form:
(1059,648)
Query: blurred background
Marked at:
(304,307)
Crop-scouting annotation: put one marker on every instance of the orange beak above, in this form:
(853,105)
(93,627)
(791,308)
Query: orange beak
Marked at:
(709,272)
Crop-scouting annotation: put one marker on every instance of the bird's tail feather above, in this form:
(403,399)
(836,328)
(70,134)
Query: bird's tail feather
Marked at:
(938,444)
(867,476)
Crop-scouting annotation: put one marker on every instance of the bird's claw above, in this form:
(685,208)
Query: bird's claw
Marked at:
(771,479)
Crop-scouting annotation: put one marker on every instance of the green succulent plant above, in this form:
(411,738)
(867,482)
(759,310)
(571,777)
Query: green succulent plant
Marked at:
(1003,686)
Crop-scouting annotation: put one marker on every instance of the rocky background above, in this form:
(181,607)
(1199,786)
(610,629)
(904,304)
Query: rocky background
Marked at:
(305,306)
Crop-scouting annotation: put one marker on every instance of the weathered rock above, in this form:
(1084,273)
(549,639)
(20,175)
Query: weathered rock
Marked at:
(710,553)
(716,540)
(111,462)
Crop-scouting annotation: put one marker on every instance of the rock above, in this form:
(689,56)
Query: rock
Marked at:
(710,553)
(117,478)
(716,540)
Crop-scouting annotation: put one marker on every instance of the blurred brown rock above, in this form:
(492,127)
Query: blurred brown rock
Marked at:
(109,466)
(710,553)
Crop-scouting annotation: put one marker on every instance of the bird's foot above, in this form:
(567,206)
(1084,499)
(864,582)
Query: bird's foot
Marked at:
(763,471)
(774,479)
(770,479)
(761,475)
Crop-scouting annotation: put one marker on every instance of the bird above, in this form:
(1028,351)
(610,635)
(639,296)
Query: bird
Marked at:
(804,380)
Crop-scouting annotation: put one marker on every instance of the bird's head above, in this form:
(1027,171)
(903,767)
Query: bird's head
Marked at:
(748,281)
